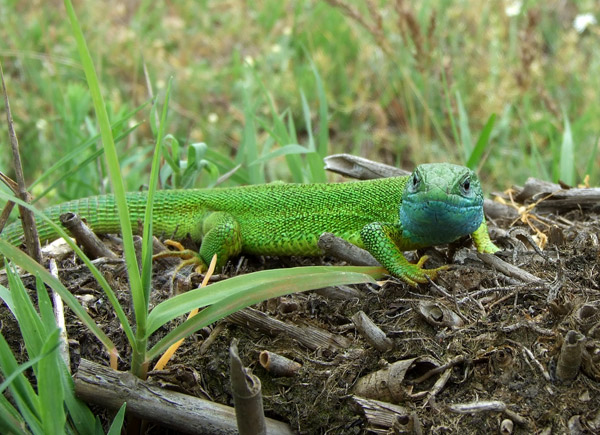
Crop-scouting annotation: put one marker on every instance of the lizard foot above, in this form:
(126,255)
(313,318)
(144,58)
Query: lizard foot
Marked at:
(414,274)
(188,257)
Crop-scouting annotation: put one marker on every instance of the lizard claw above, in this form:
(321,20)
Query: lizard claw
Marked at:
(415,274)
(188,257)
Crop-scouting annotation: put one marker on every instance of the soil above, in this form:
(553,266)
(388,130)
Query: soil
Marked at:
(484,340)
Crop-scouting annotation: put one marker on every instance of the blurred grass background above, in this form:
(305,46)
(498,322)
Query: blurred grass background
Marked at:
(404,82)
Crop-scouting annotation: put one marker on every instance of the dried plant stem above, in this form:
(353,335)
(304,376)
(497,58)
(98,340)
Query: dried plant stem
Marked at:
(375,29)
(29,228)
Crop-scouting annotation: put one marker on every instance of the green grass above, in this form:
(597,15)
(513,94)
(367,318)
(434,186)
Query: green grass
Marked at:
(49,405)
(387,91)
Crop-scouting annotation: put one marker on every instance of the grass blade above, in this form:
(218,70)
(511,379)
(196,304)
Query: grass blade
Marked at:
(323,140)
(27,263)
(50,388)
(314,159)
(152,187)
(251,289)
(6,248)
(249,151)
(474,159)
(287,150)
(112,161)
(10,419)
(21,390)
(463,123)
(567,155)
(117,424)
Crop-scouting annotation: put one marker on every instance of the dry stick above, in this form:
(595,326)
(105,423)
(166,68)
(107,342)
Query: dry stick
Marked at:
(9,205)
(247,396)
(59,315)
(381,414)
(278,365)
(507,268)
(92,245)
(569,359)
(344,250)
(459,359)
(371,332)
(309,336)
(214,334)
(486,406)
(340,293)
(360,168)
(30,230)
(95,383)
(528,354)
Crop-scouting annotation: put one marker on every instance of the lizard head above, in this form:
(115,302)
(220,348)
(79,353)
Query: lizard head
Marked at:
(440,203)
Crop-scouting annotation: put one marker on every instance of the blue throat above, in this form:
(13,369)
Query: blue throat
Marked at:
(437,222)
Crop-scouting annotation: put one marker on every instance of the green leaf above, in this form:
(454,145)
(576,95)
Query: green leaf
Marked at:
(21,390)
(17,255)
(30,265)
(232,295)
(282,151)
(567,155)
(50,389)
(465,131)
(474,159)
(117,424)
(112,161)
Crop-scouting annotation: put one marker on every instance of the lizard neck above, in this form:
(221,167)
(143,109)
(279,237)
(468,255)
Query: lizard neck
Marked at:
(438,222)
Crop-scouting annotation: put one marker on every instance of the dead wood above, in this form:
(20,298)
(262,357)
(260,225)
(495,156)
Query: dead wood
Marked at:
(309,336)
(345,251)
(109,388)
(89,241)
(278,365)
(247,396)
(28,220)
(371,332)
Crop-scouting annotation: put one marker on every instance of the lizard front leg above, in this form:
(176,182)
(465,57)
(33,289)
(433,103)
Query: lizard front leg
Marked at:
(222,236)
(385,242)
(482,241)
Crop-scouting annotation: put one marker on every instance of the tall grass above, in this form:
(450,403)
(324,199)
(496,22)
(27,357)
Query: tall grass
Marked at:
(405,82)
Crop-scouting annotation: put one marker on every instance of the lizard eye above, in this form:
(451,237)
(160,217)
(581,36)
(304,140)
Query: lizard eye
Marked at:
(465,186)
(414,182)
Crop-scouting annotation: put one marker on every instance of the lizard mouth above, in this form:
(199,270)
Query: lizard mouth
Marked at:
(440,221)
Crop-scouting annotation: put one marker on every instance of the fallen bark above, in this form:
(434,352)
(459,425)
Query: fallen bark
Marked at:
(109,388)
(309,336)
(247,396)
(90,242)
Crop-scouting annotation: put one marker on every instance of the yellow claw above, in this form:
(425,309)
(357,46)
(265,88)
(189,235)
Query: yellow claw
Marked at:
(417,275)
(188,257)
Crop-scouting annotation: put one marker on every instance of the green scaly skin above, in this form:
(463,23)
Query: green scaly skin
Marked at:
(435,205)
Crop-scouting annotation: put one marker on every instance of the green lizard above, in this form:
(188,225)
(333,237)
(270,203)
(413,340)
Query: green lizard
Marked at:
(436,204)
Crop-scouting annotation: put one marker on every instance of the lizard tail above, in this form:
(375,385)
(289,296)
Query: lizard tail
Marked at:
(99,213)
